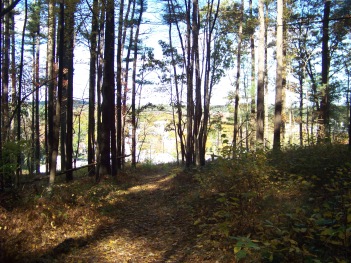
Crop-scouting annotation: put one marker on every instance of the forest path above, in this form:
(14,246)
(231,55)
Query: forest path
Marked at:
(149,221)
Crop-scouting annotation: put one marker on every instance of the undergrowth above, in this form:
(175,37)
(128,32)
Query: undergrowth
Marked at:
(292,206)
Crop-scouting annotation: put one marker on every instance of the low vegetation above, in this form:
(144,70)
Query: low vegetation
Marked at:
(294,206)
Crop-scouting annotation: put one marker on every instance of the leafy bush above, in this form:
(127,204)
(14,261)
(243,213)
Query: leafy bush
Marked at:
(292,206)
(8,163)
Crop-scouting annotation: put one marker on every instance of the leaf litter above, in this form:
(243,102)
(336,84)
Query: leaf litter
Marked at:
(146,218)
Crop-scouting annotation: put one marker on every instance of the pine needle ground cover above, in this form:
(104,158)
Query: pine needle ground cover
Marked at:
(292,206)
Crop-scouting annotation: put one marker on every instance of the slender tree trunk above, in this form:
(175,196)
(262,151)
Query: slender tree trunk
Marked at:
(260,82)
(266,80)
(125,82)
(324,129)
(348,88)
(237,81)
(70,21)
(198,100)
(51,91)
(19,95)
(60,83)
(46,110)
(33,130)
(174,123)
(279,78)
(1,117)
(63,75)
(178,90)
(92,85)
(348,102)
(301,81)
(190,102)
(63,62)
(253,81)
(99,81)
(63,121)
(136,38)
(208,82)
(119,87)
(5,65)
(284,76)
(107,132)
(11,130)
(134,125)
(37,116)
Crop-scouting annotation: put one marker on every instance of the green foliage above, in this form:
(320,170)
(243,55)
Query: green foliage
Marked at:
(244,246)
(8,163)
(292,206)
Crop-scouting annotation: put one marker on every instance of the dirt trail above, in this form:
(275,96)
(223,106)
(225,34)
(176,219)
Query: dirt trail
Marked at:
(151,221)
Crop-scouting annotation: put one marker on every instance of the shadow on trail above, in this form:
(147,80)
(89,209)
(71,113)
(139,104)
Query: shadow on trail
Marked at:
(152,220)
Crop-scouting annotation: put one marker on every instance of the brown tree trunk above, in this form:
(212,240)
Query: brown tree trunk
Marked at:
(69,45)
(108,94)
(5,65)
(51,92)
(178,85)
(1,124)
(118,164)
(190,102)
(92,85)
(253,83)
(99,82)
(324,129)
(208,82)
(279,78)
(237,81)
(37,116)
(133,106)
(136,38)
(260,82)
(198,100)
(19,95)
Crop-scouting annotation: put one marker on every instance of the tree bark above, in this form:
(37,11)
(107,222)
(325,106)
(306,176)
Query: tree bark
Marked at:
(124,79)
(37,80)
(198,100)
(237,81)
(130,45)
(19,95)
(92,85)
(99,81)
(279,78)
(5,65)
(136,38)
(108,94)
(252,80)
(260,82)
(2,183)
(119,88)
(212,16)
(51,91)
(178,85)
(69,46)
(324,129)
(189,82)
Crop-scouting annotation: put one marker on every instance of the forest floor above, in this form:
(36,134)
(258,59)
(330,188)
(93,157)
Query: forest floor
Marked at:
(294,206)
(144,218)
